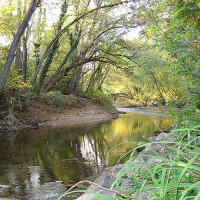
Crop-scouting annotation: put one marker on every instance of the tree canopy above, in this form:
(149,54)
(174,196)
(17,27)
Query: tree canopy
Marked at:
(89,47)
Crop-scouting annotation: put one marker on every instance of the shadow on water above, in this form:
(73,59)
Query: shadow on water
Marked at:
(39,164)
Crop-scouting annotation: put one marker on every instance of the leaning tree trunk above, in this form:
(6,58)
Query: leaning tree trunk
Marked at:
(72,81)
(91,79)
(12,50)
(78,76)
(53,82)
(160,93)
(18,57)
(25,58)
(54,48)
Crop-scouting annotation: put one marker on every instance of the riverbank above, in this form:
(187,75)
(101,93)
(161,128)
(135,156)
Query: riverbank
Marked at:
(68,154)
(71,110)
(167,167)
(109,175)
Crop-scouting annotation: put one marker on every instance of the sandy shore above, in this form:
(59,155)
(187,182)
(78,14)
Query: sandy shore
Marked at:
(81,110)
(73,110)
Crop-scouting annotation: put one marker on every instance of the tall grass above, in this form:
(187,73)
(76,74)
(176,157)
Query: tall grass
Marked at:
(165,170)
(172,171)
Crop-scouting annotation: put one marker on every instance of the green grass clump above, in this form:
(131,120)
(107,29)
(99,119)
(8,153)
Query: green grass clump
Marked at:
(165,170)
(175,174)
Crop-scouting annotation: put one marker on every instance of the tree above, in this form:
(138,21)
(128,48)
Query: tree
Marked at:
(55,46)
(33,5)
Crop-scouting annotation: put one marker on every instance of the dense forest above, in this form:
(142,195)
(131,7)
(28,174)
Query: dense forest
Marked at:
(146,52)
(136,53)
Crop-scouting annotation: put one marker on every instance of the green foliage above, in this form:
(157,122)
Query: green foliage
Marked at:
(55,46)
(178,35)
(147,80)
(3,54)
(175,176)
(100,98)
(47,64)
(55,97)
(69,103)
(8,20)
(15,82)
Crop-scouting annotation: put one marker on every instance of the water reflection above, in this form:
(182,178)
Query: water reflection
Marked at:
(39,164)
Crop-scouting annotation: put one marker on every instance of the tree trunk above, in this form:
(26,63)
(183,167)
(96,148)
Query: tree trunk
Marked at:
(25,59)
(160,93)
(54,48)
(91,79)
(103,78)
(18,58)
(56,79)
(11,119)
(20,32)
(58,71)
(57,37)
(78,76)
(72,82)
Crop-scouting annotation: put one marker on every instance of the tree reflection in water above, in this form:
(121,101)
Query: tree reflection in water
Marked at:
(40,163)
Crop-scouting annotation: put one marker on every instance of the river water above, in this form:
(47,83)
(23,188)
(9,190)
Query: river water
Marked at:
(40,164)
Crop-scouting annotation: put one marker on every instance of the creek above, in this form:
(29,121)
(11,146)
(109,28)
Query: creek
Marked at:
(39,164)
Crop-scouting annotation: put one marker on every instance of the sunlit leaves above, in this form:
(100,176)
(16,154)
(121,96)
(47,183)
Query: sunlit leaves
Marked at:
(15,81)
(154,28)
(7,19)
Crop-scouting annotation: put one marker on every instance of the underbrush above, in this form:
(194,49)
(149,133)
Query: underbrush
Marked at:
(168,169)
(54,97)
(100,98)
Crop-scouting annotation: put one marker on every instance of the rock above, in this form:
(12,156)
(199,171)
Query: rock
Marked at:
(145,155)
(139,149)
(122,112)
(104,180)
(34,125)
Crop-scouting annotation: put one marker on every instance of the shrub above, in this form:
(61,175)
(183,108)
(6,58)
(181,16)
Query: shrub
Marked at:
(100,98)
(55,97)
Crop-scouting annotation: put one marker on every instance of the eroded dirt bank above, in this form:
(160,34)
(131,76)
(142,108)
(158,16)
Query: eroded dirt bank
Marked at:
(72,110)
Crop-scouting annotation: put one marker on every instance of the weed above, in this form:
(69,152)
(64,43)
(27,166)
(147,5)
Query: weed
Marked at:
(55,97)
(174,172)
(69,103)
(168,170)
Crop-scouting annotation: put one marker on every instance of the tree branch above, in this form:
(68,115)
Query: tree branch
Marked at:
(64,30)
(20,32)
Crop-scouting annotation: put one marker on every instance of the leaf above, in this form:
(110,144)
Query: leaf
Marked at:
(197,15)
(124,52)
(116,46)
(168,43)
(143,32)
(154,28)
(188,189)
(197,197)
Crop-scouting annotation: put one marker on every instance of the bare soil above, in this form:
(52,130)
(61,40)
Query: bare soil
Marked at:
(73,110)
